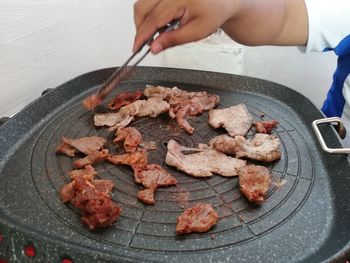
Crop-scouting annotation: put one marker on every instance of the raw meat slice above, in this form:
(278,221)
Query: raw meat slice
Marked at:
(108,119)
(122,124)
(124,98)
(262,147)
(86,144)
(131,137)
(265,126)
(236,119)
(254,182)
(93,157)
(199,218)
(202,164)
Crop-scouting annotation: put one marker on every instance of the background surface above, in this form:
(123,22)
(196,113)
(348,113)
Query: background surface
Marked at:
(46,43)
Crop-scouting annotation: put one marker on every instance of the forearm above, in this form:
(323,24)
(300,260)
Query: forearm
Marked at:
(268,22)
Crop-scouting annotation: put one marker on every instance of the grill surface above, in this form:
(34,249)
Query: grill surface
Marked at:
(303,211)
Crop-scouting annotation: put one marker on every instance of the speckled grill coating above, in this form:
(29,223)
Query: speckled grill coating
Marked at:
(304,220)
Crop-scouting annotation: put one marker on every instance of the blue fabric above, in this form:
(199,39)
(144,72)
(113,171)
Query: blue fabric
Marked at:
(334,104)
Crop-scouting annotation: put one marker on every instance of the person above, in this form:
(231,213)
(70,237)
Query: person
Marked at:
(313,25)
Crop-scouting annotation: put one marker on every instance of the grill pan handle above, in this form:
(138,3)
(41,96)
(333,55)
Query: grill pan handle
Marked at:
(340,129)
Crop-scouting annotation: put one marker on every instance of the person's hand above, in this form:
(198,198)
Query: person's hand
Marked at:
(198,19)
(253,22)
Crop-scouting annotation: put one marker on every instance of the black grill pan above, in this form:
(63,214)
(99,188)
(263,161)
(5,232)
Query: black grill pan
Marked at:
(305,220)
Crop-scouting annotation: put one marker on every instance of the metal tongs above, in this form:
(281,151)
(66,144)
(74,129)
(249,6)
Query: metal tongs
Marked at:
(123,72)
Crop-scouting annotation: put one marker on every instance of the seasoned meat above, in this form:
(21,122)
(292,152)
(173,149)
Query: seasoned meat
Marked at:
(199,218)
(236,119)
(124,98)
(93,157)
(147,196)
(67,192)
(140,108)
(265,126)
(103,185)
(182,111)
(66,149)
(131,159)
(262,147)
(108,119)
(224,144)
(122,124)
(92,101)
(202,164)
(157,92)
(88,172)
(254,182)
(86,144)
(92,198)
(183,103)
(131,137)
(150,173)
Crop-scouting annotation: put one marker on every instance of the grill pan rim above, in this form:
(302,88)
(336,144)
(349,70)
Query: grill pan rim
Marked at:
(63,87)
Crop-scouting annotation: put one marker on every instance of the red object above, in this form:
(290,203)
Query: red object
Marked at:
(29,251)
(124,98)
(3,260)
(65,260)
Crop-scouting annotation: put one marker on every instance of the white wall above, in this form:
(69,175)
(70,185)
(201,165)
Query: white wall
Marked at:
(45,43)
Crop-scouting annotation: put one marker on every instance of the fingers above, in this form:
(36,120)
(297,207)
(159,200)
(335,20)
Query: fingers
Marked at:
(160,15)
(190,32)
(142,8)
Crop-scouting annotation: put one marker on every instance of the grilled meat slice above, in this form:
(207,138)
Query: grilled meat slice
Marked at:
(131,137)
(93,157)
(236,119)
(199,218)
(124,98)
(254,182)
(265,126)
(86,144)
(262,147)
(201,164)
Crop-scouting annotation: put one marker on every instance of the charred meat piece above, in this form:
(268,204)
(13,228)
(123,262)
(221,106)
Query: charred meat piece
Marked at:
(254,182)
(199,218)
(66,149)
(93,157)
(201,164)
(265,126)
(92,198)
(236,119)
(124,98)
(262,147)
(131,137)
(85,144)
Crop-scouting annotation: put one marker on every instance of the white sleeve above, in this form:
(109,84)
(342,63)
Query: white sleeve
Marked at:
(329,23)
